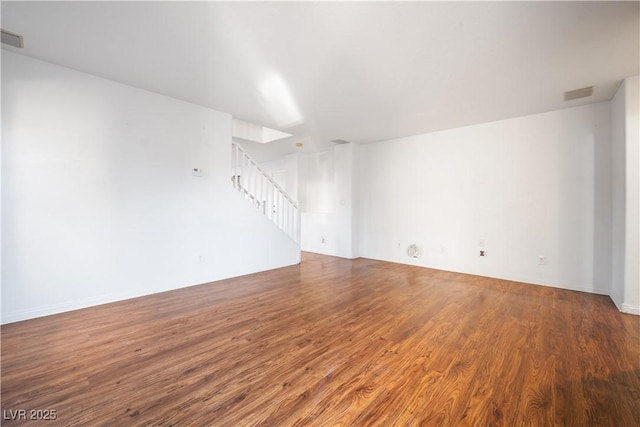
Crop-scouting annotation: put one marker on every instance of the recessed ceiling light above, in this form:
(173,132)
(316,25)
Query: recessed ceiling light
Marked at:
(578,93)
(298,144)
(12,39)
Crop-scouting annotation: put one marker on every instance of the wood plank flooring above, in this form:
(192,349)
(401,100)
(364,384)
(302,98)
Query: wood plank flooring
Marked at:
(331,342)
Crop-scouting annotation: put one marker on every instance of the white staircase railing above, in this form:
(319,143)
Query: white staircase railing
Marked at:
(264,193)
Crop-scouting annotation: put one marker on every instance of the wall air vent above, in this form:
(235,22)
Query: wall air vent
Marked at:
(414,251)
(12,39)
(578,93)
(340,141)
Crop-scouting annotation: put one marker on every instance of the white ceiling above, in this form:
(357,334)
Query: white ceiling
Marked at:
(355,71)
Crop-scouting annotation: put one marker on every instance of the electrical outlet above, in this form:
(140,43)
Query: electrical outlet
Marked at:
(542,259)
(321,239)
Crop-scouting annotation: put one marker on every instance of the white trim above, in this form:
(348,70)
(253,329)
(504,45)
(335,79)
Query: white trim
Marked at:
(617,300)
(79,304)
(518,279)
(630,309)
(20,315)
(622,307)
(319,251)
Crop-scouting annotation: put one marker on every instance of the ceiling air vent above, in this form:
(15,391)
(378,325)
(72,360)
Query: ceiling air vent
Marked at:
(340,141)
(12,39)
(578,93)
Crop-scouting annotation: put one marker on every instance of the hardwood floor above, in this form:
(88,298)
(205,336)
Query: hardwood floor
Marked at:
(331,342)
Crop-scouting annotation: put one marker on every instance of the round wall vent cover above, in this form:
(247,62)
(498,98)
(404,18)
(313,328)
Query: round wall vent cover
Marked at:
(414,251)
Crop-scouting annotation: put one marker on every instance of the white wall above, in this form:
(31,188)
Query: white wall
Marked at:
(517,188)
(98,200)
(1,186)
(331,205)
(618,139)
(632,171)
(317,220)
(625,290)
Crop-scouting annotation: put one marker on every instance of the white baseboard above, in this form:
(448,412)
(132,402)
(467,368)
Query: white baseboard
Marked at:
(20,315)
(630,309)
(623,307)
(48,310)
(617,300)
